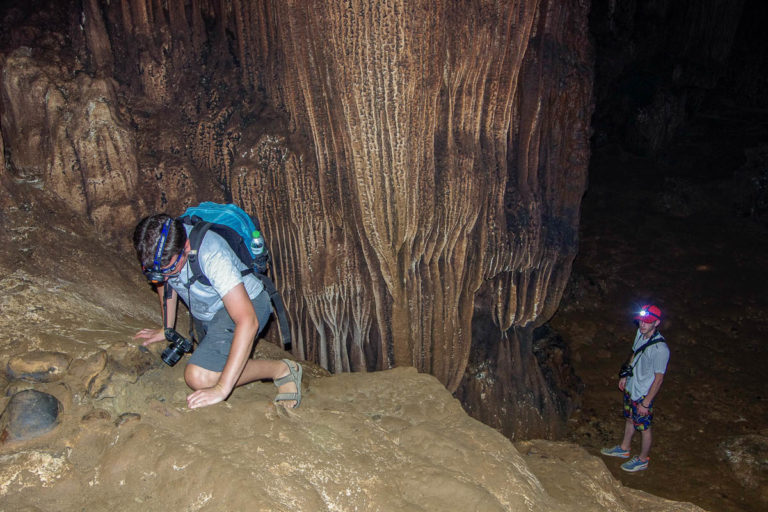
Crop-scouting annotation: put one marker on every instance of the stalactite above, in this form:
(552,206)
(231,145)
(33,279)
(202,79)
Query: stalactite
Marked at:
(67,136)
(98,41)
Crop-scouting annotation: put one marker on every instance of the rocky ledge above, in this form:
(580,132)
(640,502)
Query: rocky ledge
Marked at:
(393,440)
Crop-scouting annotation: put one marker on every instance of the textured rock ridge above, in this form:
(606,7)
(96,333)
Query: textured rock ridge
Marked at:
(65,134)
(453,172)
(417,166)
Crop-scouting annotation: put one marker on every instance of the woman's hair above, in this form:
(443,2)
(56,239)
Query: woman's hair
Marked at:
(147,234)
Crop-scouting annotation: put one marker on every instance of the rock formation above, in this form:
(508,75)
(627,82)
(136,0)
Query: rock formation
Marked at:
(417,166)
(393,440)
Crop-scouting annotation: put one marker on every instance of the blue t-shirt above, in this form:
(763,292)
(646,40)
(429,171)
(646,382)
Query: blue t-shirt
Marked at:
(651,361)
(222,267)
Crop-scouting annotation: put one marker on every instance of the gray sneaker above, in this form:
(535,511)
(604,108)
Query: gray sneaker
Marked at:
(635,464)
(615,451)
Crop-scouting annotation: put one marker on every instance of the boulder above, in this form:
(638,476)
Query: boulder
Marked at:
(38,366)
(87,369)
(29,414)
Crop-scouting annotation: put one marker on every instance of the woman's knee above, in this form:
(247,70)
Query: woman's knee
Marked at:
(197,377)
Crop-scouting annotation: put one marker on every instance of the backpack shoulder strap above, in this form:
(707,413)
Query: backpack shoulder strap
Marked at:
(278,307)
(652,341)
(199,229)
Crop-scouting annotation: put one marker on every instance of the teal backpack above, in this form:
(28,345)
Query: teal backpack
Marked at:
(242,233)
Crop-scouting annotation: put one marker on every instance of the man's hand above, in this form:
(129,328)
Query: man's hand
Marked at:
(622,383)
(150,336)
(205,397)
(642,410)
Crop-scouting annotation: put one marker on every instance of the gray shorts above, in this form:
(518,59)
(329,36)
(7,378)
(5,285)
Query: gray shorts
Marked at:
(216,334)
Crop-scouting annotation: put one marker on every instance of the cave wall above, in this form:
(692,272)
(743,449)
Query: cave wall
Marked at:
(417,166)
(67,135)
(659,61)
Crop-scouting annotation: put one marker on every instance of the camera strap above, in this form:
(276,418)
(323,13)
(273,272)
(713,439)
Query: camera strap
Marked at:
(167,294)
(656,338)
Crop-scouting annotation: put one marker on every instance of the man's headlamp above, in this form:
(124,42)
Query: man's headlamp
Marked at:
(644,313)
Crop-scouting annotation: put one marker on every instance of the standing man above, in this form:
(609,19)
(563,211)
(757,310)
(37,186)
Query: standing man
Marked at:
(640,380)
(228,314)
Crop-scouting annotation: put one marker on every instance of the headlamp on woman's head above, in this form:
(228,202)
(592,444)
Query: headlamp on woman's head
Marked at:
(157,274)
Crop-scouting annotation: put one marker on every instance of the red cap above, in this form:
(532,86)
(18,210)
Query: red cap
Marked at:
(649,314)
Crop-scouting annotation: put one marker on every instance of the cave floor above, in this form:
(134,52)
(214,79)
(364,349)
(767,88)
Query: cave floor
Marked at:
(662,236)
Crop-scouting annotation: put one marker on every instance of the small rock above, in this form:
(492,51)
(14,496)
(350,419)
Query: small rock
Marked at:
(38,366)
(131,360)
(127,417)
(96,415)
(86,370)
(29,414)
(125,364)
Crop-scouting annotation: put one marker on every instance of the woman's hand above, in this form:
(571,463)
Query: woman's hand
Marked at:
(150,336)
(204,397)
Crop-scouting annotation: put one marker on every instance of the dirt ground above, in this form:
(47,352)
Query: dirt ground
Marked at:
(659,231)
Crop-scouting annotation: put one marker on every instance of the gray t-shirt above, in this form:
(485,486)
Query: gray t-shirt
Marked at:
(222,267)
(651,361)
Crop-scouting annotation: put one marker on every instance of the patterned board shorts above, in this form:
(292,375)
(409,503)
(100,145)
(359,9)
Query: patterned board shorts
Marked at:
(630,412)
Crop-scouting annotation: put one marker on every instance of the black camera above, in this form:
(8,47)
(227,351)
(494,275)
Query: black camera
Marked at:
(625,371)
(178,347)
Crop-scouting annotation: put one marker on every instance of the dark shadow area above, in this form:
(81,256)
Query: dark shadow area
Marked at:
(676,214)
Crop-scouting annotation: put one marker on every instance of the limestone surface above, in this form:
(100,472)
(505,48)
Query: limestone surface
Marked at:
(393,440)
(38,366)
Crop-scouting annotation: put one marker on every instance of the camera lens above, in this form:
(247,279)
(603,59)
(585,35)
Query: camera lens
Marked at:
(171,355)
(179,345)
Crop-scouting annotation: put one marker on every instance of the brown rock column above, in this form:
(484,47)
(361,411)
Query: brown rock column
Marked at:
(448,153)
(548,158)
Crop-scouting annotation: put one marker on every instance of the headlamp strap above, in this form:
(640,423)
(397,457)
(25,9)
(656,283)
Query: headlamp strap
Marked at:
(157,263)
